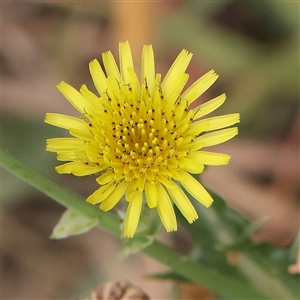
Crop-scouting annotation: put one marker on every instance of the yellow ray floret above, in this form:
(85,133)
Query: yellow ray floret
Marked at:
(148,67)
(133,214)
(140,136)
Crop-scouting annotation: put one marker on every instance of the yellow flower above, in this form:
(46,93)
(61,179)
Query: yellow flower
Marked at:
(141,136)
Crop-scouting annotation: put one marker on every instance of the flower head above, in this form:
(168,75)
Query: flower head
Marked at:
(141,136)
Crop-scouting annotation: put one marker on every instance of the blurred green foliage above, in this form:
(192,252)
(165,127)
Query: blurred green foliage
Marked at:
(254,46)
(221,242)
(25,139)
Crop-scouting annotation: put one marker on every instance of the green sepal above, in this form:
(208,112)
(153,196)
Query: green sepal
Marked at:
(72,223)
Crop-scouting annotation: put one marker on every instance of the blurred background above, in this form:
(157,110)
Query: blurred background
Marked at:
(253,46)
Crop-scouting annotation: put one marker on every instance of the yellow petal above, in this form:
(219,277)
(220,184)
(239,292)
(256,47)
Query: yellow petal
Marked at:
(156,100)
(64,121)
(209,106)
(200,86)
(195,188)
(98,76)
(83,134)
(174,92)
(218,122)
(78,168)
(114,92)
(215,138)
(209,158)
(111,66)
(151,194)
(136,184)
(135,84)
(190,165)
(75,98)
(102,193)
(114,197)
(72,155)
(163,179)
(130,195)
(183,203)
(148,67)
(59,144)
(165,209)
(133,214)
(197,128)
(125,60)
(105,178)
(92,98)
(178,67)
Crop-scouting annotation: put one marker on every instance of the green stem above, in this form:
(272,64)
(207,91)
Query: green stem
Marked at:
(212,279)
(62,195)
